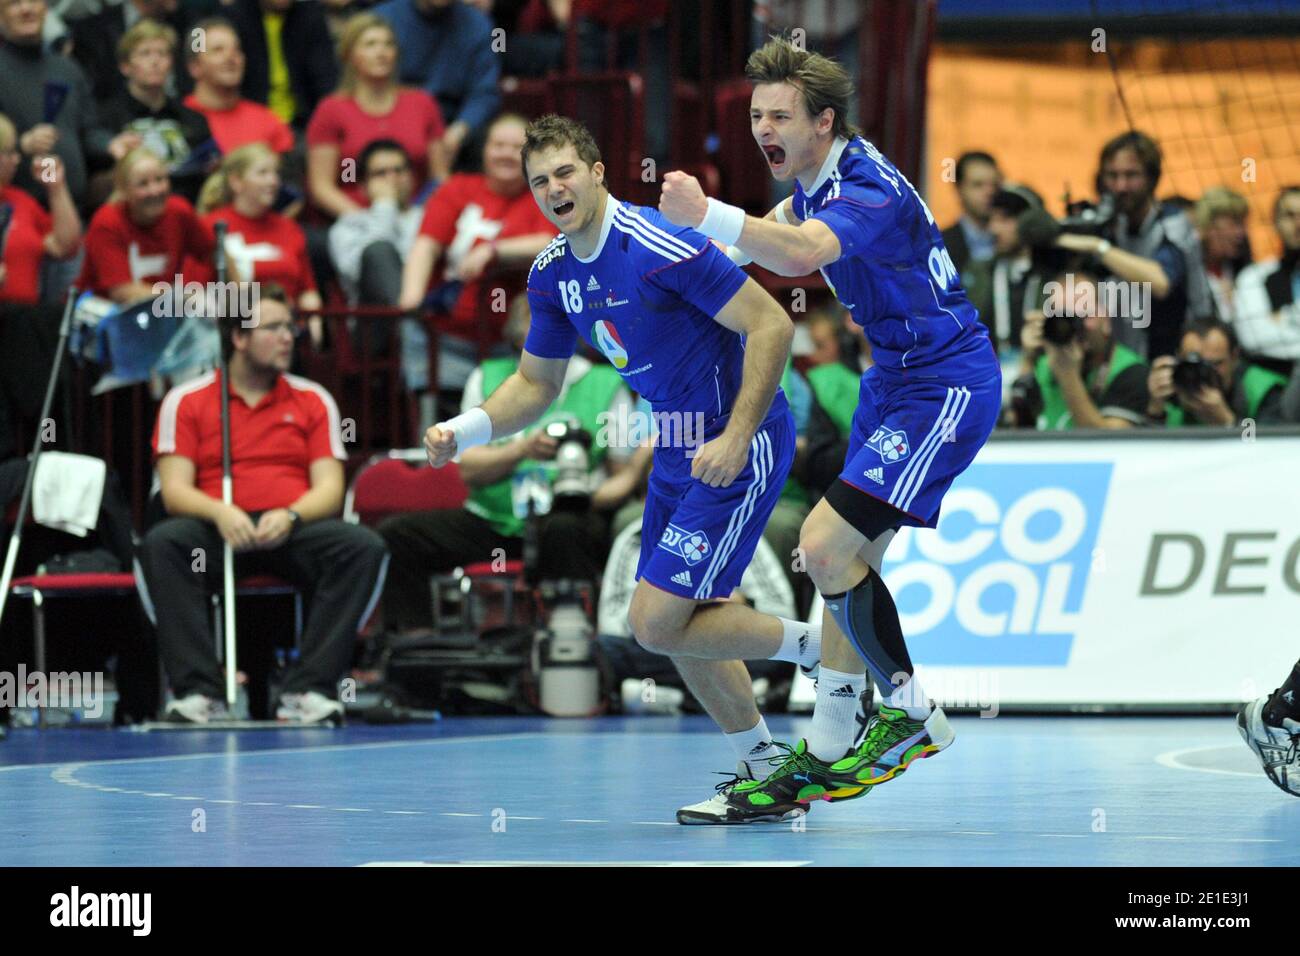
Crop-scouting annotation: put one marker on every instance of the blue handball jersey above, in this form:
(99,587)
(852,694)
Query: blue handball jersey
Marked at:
(646,300)
(894,275)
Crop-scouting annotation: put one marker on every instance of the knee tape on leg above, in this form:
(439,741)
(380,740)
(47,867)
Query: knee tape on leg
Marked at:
(867,615)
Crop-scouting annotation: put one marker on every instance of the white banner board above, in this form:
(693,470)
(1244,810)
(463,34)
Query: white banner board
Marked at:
(1135,572)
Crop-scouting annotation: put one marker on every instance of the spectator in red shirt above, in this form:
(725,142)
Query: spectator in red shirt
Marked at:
(264,245)
(218,70)
(28,328)
(143,234)
(369,105)
(477,225)
(287,459)
(32,233)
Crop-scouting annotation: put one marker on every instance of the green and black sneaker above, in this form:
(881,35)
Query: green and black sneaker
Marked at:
(786,793)
(893,741)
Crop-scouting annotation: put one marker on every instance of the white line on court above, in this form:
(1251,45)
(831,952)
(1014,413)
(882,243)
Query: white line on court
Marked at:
(328,748)
(1170,759)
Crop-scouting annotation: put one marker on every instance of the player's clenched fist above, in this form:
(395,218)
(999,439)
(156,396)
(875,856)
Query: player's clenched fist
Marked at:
(681,199)
(439,445)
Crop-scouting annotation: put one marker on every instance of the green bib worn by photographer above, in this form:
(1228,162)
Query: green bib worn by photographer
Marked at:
(1055,415)
(584,400)
(1256,382)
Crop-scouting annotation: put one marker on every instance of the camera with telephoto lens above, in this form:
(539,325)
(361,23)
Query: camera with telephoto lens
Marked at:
(572,485)
(1038,229)
(1090,219)
(1193,373)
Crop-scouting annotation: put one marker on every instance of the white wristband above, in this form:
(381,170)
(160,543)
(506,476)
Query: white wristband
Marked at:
(723,223)
(471,428)
(738,257)
(780,214)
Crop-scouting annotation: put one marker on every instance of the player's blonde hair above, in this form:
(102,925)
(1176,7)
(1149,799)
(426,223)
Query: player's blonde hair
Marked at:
(822,82)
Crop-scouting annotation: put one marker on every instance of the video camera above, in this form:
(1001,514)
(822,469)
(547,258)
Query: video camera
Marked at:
(1038,229)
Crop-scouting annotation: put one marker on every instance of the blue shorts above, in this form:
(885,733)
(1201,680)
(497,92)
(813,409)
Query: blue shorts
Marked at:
(911,439)
(696,541)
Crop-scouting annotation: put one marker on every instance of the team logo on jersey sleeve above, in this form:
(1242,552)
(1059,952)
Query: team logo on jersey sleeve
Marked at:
(607,339)
(693,546)
(892,445)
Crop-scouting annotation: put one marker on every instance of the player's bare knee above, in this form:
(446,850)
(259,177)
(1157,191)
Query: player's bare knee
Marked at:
(654,632)
(824,561)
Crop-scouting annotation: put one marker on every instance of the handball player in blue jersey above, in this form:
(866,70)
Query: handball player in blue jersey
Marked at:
(689,331)
(925,407)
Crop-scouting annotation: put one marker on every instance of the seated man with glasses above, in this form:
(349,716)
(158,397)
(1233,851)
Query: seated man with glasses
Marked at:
(287,459)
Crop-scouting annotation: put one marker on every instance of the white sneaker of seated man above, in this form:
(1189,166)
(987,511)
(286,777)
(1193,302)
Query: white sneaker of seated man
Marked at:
(311,707)
(195,709)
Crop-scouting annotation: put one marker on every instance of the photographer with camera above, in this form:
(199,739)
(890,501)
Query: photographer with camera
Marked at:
(1137,240)
(1082,377)
(557,459)
(1210,384)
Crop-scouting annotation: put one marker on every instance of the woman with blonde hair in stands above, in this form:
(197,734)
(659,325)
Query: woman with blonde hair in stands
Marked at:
(262,244)
(143,234)
(369,105)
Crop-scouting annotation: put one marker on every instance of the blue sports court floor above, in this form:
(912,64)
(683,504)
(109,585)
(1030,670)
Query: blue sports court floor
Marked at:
(1011,791)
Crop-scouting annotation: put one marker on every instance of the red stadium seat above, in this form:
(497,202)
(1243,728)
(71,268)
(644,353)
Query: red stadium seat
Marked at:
(398,482)
(402,482)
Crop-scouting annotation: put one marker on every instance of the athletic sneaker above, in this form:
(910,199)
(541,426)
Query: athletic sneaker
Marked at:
(717,811)
(798,779)
(195,709)
(893,741)
(1278,748)
(311,707)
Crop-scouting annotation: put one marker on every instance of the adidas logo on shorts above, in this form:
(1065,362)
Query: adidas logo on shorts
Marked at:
(876,474)
(684,579)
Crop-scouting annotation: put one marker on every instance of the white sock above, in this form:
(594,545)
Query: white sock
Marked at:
(911,697)
(753,747)
(835,714)
(800,643)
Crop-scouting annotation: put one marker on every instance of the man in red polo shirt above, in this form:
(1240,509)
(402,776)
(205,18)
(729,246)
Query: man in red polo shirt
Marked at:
(287,466)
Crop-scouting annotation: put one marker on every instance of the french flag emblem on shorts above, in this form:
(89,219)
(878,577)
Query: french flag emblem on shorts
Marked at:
(893,446)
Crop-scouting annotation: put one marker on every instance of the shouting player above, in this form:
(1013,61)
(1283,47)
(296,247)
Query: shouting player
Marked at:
(924,409)
(668,309)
